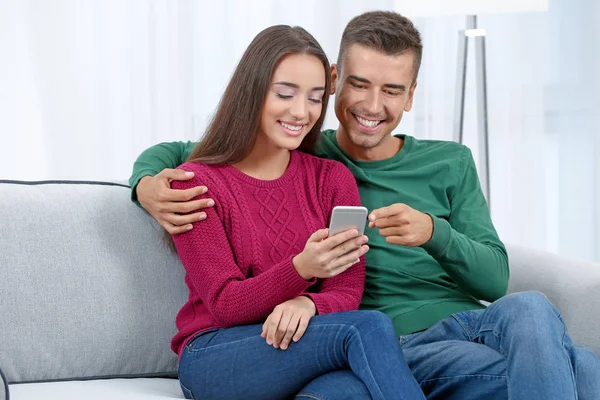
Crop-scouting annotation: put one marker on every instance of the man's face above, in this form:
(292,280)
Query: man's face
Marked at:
(372,92)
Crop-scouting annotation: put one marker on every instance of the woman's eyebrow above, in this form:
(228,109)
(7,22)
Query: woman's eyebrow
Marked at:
(295,86)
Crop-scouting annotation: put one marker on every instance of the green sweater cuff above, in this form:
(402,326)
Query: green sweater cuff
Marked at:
(441,236)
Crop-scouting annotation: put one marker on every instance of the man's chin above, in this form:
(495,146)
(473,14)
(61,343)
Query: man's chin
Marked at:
(364,140)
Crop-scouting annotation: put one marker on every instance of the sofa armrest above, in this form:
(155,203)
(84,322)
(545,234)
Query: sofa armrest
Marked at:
(573,286)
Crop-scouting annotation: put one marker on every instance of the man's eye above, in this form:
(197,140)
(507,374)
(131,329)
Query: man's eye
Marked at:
(356,85)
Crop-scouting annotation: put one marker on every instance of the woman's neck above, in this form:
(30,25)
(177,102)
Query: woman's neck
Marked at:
(265,162)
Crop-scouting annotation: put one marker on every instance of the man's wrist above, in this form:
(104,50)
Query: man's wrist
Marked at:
(142,179)
(440,236)
(429,234)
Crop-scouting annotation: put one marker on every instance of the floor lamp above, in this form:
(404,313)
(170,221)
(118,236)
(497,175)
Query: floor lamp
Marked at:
(478,35)
(471,8)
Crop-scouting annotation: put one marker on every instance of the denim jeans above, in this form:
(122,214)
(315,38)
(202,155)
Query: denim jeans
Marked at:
(518,348)
(352,355)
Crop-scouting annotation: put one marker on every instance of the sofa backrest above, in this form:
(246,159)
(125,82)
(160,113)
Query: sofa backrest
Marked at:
(87,288)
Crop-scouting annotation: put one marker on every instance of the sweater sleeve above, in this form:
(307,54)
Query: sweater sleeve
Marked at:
(207,256)
(467,245)
(155,159)
(344,291)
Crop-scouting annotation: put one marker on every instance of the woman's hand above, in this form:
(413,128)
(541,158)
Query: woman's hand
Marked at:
(288,322)
(326,257)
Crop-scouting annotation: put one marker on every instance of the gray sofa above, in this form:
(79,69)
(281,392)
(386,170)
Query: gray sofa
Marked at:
(88,294)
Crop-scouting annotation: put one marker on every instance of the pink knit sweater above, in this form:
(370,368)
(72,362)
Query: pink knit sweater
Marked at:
(238,261)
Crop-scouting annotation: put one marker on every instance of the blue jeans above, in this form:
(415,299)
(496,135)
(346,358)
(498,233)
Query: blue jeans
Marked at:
(518,348)
(354,355)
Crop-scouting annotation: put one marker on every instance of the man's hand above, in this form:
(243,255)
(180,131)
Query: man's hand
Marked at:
(402,225)
(288,322)
(165,204)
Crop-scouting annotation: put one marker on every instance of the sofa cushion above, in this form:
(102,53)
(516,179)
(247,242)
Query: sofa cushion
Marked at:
(103,389)
(87,288)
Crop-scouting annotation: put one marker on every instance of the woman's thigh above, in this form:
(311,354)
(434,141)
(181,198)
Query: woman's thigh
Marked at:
(238,363)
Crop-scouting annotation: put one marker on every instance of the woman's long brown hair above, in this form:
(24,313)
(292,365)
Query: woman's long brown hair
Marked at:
(232,131)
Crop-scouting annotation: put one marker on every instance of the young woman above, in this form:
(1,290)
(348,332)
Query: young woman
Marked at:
(267,283)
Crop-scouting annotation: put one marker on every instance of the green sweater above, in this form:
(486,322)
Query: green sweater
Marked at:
(462,263)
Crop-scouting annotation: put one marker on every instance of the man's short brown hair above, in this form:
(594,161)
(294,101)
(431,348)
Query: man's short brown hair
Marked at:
(384,31)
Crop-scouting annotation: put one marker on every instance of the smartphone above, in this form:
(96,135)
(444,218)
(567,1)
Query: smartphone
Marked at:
(348,217)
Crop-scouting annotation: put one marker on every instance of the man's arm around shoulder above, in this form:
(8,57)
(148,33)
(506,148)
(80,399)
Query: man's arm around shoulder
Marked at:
(153,172)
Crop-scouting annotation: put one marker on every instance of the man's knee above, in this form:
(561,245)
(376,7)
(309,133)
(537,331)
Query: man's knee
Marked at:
(528,305)
(527,312)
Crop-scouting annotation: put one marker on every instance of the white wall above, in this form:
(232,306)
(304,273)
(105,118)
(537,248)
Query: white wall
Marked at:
(86,85)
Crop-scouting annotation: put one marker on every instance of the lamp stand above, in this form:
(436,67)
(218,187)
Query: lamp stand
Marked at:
(479,36)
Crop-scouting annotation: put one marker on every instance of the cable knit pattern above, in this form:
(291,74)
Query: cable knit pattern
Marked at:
(249,256)
(239,260)
(277,216)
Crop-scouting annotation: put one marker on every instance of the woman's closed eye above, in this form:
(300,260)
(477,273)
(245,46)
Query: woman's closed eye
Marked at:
(313,100)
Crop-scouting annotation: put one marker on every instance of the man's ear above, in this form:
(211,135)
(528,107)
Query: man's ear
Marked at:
(411,95)
(334,77)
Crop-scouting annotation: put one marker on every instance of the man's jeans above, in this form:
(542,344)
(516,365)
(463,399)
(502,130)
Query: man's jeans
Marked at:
(349,355)
(518,348)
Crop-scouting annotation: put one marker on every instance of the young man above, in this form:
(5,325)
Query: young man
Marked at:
(434,250)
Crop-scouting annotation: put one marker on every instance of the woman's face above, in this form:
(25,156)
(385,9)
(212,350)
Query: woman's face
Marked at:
(294,101)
